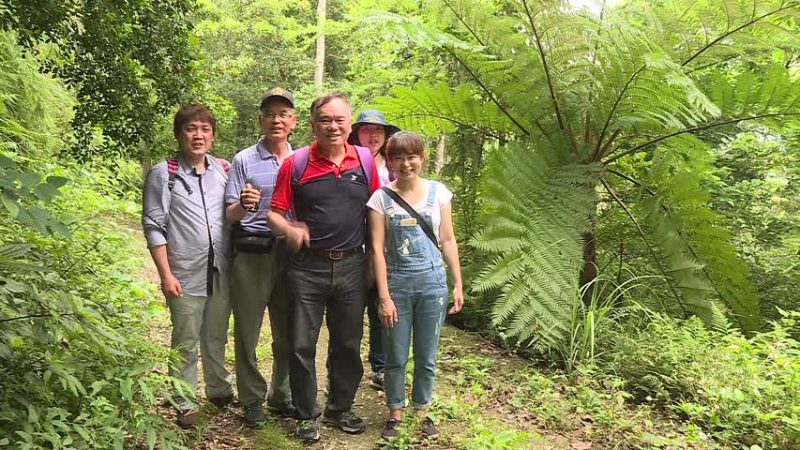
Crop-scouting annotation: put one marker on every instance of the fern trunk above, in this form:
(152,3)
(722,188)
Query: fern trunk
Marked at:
(589,270)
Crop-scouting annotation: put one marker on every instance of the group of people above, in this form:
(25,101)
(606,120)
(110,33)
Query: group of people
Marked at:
(321,231)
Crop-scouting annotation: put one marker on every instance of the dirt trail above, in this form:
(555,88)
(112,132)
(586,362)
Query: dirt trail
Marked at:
(465,415)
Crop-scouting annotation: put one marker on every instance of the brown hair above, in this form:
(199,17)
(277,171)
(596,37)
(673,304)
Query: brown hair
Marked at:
(324,99)
(405,142)
(191,112)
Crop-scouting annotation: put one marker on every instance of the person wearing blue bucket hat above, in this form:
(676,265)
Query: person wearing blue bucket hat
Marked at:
(371,130)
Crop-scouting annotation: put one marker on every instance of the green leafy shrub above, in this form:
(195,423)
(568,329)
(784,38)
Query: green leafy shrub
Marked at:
(76,369)
(740,391)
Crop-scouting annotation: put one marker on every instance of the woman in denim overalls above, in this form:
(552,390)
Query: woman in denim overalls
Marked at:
(410,276)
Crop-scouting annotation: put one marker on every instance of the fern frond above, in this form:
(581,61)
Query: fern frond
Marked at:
(438,108)
(540,200)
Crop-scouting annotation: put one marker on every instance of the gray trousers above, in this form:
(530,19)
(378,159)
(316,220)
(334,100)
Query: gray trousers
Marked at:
(258,283)
(201,323)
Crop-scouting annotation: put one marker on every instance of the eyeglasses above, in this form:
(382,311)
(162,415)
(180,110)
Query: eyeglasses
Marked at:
(282,115)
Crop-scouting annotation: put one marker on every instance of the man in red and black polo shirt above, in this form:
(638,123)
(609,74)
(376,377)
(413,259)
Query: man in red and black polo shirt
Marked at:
(326,186)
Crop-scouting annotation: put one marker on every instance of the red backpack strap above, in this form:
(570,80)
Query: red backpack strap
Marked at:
(172,167)
(226,166)
(367,163)
(172,174)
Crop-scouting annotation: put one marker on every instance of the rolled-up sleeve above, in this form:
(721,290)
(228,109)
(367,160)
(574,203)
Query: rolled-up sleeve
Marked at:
(236,181)
(154,212)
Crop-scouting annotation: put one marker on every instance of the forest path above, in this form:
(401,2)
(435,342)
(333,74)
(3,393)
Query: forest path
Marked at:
(477,405)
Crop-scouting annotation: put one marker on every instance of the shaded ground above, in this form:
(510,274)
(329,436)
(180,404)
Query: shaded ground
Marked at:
(485,398)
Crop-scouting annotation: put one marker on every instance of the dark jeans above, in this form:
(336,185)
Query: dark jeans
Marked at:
(377,356)
(336,289)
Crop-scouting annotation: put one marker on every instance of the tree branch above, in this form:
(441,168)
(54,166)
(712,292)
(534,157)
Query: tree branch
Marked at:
(739,28)
(488,92)
(618,100)
(34,316)
(464,22)
(646,241)
(545,65)
(461,124)
(666,211)
(692,130)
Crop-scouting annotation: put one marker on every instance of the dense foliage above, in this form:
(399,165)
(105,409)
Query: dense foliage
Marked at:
(128,63)
(76,369)
(741,391)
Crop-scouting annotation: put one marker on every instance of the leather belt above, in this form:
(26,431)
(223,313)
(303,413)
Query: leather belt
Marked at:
(335,255)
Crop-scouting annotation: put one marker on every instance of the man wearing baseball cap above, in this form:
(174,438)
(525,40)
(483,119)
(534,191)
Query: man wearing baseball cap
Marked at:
(257,270)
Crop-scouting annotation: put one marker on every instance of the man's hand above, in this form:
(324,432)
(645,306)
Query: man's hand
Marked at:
(297,236)
(171,287)
(250,198)
(387,312)
(458,300)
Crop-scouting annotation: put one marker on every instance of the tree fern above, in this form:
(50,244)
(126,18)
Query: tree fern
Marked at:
(535,210)
(631,92)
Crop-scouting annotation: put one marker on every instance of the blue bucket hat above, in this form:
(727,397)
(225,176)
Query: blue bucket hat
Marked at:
(372,117)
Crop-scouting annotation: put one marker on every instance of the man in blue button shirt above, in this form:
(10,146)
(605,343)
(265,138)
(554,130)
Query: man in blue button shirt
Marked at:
(257,276)
(184,222)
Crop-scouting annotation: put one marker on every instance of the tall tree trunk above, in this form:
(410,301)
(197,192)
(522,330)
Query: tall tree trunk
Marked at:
(319,66)
(146,164)
(440,149)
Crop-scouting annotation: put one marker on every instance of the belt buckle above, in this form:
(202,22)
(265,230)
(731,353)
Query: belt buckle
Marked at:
(335,255)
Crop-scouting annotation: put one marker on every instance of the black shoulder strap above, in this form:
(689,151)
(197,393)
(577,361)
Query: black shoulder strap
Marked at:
(422,223)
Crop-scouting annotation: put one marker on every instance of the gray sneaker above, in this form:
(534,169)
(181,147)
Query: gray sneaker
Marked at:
(254,415)
(345,421)
(307,430)
(429,428)
(377,379)
(389,431)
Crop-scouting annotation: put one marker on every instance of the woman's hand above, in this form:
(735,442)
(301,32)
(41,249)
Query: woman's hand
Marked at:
(387,312)
(458,299)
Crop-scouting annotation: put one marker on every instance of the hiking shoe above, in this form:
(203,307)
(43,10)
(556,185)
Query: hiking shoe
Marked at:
(377,380)
(188,419)
(307,430)
(286,411)
(222,402)
(389,431)
(429,428)
(254,416)
(346,421)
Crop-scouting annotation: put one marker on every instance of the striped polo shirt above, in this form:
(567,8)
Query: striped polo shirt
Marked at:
(259,167)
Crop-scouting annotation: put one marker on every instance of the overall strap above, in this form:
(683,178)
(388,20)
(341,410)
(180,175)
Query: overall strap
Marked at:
(431,194)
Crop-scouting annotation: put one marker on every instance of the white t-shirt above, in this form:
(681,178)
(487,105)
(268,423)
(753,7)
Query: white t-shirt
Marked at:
(383,171)
(442,198)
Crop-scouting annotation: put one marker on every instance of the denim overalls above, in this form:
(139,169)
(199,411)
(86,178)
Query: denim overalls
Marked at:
(418,286)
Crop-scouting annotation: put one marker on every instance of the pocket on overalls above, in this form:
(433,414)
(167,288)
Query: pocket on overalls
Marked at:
(441,277)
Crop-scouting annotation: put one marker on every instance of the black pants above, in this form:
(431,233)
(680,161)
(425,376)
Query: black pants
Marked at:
(336,289)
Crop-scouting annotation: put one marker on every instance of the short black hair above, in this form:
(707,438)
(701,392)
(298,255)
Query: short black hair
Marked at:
(190,112)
